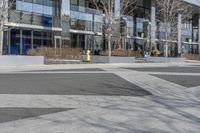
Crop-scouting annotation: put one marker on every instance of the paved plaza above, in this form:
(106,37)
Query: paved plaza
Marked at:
(100,98)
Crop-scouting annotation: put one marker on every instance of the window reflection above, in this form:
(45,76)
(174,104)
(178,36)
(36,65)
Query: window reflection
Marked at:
(39,12)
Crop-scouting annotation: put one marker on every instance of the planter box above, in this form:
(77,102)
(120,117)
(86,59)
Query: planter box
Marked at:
(165,60)
(21,60)
(113,59)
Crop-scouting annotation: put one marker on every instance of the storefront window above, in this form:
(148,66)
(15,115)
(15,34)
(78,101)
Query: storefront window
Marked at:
(26,41)
(15,41)
(37,39)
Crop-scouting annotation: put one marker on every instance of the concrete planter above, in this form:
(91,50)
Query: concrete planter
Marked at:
(21,60)
(165,60)
(113,59)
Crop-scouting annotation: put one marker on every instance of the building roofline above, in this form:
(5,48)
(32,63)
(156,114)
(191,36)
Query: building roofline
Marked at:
(193,2)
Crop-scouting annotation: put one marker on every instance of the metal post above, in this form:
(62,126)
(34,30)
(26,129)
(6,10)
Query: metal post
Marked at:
(21,45)
(60,44)
(9,40)
(199,35)
(31,39)
(1,41)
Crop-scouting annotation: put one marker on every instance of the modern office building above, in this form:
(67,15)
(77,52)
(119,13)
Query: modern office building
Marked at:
(77,24)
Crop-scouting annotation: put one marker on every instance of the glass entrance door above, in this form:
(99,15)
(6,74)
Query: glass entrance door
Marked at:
(57,45)
(57,42)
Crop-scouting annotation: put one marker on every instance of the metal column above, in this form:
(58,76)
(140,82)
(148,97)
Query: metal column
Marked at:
(21,36)
(31,39)
(199,32)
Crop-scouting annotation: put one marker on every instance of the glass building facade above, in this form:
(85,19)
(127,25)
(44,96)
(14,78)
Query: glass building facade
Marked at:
(31,24)
(78,24)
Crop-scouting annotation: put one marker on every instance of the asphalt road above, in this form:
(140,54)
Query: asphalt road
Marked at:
(187,81)
(195,69)
(67,70)
(11,114)
(61,84)
(69,84)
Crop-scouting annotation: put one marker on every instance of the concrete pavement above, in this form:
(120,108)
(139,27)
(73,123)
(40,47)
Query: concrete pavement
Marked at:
(169,107)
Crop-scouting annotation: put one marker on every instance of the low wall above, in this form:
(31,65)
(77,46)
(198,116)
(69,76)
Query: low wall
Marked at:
(165,60)
(113,59)
(21,60)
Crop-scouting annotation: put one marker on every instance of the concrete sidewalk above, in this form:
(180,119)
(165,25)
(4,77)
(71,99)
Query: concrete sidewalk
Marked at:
(172,108)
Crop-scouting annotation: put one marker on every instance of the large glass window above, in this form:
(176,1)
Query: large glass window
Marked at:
(56,22)
(139,26)
(88,26)
(48,3)
(81,25)
(26,6)
(47,39)
(42,39)
(186,31)
(97,27)
(38,2)
(37,20)
(41,12)
(26,41)
(74,24)
(26,18)
(82,3)
(37,39)
(129,44)
(48,10)
(74,2)
(14,16)
(15,41)
(37,8)
(47,21)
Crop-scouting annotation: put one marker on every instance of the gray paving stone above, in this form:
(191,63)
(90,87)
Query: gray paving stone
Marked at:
(171,108)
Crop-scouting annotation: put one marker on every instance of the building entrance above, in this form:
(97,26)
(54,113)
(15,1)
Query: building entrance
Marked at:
(57,43)
(81,41)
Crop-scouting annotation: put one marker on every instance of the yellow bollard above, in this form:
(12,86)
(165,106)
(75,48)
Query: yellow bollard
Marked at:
(88,55)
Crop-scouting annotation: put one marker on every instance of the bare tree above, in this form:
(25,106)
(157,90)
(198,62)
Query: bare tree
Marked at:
(4,6)
(5,12)
(167,14)
(112,14)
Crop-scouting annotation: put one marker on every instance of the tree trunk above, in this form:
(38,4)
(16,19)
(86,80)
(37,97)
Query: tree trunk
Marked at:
(166,45)
(109,47)
(1,42)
